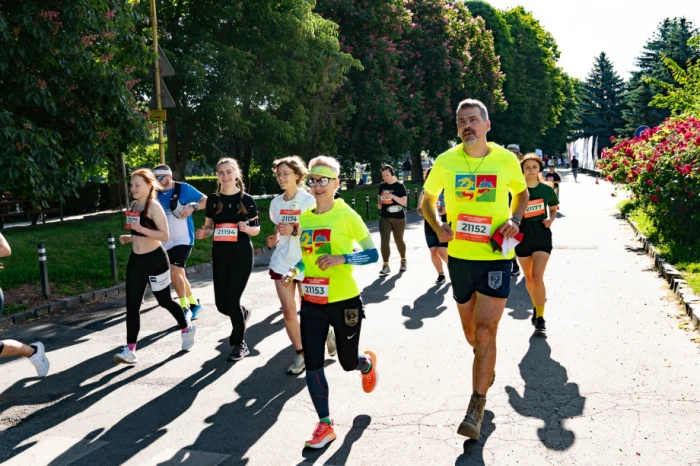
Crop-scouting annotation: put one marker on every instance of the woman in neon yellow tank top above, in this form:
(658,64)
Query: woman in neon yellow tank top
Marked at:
(330,296)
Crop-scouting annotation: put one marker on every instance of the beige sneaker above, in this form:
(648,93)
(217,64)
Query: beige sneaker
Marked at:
(471,425)
(298,365)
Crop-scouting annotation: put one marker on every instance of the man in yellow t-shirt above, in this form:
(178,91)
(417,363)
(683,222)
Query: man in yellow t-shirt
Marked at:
(477,177)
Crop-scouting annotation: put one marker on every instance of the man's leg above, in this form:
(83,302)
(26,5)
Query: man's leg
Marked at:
(177,276)
(487,314)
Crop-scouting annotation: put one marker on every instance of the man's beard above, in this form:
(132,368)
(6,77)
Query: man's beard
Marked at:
(470,139)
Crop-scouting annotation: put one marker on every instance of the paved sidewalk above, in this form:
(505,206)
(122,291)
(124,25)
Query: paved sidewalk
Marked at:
(614,382)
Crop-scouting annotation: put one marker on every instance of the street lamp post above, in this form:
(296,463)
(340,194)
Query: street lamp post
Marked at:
(156,67)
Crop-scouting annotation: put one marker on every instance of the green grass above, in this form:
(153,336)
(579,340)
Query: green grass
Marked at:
(685,257)
(78,252)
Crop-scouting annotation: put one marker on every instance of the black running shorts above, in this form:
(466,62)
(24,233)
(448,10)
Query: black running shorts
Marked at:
(536,237)
(178,255)
(490,278)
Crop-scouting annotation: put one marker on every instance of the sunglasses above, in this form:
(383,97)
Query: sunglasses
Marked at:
(160,177)
(311,182)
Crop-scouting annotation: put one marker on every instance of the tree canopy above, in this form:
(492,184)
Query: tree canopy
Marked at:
(66,99)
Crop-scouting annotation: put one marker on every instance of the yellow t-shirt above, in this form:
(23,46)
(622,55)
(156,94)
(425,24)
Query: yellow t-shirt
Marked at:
(477,202)
(334,232)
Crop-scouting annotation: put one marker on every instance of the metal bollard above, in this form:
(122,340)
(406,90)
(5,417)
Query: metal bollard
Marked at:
(113,256)
(43,271)
(353,204)
(367,200)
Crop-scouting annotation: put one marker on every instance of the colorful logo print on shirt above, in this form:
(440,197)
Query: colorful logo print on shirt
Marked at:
(476,188)
(316,242)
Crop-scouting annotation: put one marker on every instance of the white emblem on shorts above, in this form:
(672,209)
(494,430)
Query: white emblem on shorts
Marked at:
(495,280)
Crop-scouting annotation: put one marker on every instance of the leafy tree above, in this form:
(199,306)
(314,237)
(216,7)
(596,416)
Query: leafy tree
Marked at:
(66,102)
(669,41)
(601,106)
(371,31)
(251,79)
(446,56)
(555,139)
(684,99)
(534,86)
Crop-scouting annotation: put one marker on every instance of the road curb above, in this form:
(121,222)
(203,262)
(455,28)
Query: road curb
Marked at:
(674,278)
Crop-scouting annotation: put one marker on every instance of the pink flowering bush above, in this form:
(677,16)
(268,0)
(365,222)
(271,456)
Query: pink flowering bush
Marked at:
(661,169)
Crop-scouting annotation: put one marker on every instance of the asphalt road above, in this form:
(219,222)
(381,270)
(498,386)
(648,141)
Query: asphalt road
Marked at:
(615,381)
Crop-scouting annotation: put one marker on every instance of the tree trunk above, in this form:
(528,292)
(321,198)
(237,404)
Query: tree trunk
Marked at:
(416,166)
(178,153)
(181,163)
(245,163)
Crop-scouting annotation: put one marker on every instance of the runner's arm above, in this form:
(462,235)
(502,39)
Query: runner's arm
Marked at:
(202,203)
(520,203)
(207,229)
(428,206)
(419,209)
(4,247)
(252,226)
(368,255)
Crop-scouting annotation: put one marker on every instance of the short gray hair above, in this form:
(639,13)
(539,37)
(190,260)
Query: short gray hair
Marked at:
(471,103)
(327,161)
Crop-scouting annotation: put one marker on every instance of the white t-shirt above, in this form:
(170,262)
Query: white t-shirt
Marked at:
(288,250)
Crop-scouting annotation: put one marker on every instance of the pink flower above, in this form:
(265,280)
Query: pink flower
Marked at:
(654,199)
(649,182)
(110,14)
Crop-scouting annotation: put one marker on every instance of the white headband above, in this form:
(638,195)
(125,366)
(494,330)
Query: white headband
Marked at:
(162,171)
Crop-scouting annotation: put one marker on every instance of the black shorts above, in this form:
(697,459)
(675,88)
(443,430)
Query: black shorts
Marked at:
(536,237)
(490,278)
(431,237)
(178,255)
(346,319)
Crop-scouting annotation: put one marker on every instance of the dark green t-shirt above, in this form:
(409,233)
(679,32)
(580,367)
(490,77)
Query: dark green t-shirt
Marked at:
(542,197)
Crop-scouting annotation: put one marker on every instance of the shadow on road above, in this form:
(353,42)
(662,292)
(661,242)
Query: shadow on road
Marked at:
(63,331)
(148,423)
(473,454)
(76,390)
(378,291)
(547,395)
(359,425)
(426,306)
(519,299)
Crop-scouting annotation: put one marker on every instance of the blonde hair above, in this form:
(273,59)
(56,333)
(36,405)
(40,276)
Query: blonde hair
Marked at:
(295,163)
(326,161)
(150,180)
(239,184)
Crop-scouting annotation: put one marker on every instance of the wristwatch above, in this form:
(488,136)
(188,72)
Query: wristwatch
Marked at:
(295,231)
(515,219)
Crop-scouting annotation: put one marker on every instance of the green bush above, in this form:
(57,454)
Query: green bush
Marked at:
(662,171)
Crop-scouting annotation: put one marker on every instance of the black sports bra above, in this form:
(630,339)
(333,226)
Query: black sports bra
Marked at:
(145,222)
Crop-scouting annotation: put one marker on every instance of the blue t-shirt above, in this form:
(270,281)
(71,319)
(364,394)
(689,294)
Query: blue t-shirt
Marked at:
(179,229)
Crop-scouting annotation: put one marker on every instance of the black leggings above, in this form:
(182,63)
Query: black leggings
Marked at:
(387,226)
(142,270)
(315,320)
(232,266)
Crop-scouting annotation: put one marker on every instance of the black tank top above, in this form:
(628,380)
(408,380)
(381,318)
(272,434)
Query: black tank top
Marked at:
(145,222)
